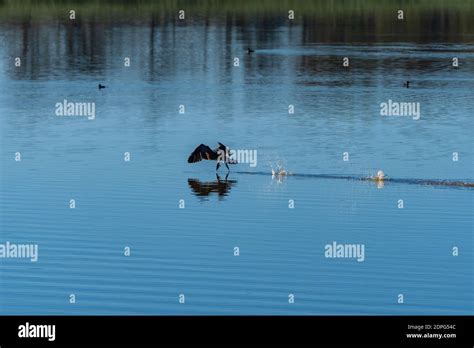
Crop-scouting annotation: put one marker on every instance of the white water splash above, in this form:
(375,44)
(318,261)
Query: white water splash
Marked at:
(279,170)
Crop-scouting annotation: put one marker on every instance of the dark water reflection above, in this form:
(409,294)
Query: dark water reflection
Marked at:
(90,42)
(221,187)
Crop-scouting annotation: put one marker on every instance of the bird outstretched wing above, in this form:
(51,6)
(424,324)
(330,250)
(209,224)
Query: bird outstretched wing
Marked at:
(202,152)
(224,151)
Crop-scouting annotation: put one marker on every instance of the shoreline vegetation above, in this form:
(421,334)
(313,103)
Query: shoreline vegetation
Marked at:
(121,9)
(320,20)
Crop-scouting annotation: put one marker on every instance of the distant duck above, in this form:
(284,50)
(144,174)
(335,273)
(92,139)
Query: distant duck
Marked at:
(101,86)
(249,50)
(407,84)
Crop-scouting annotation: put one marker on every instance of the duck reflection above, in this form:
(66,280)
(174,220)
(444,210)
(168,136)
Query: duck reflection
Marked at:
(204,189)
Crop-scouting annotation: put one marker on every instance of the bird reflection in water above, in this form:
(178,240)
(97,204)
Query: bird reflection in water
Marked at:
(204,189)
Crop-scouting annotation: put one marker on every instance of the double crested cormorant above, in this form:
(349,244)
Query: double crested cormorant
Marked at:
(204,152)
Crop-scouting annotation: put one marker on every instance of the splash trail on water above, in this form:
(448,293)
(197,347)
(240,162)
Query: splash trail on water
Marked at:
(357,177)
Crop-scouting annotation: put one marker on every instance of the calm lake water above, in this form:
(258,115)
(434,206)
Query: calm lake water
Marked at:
(190,251)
